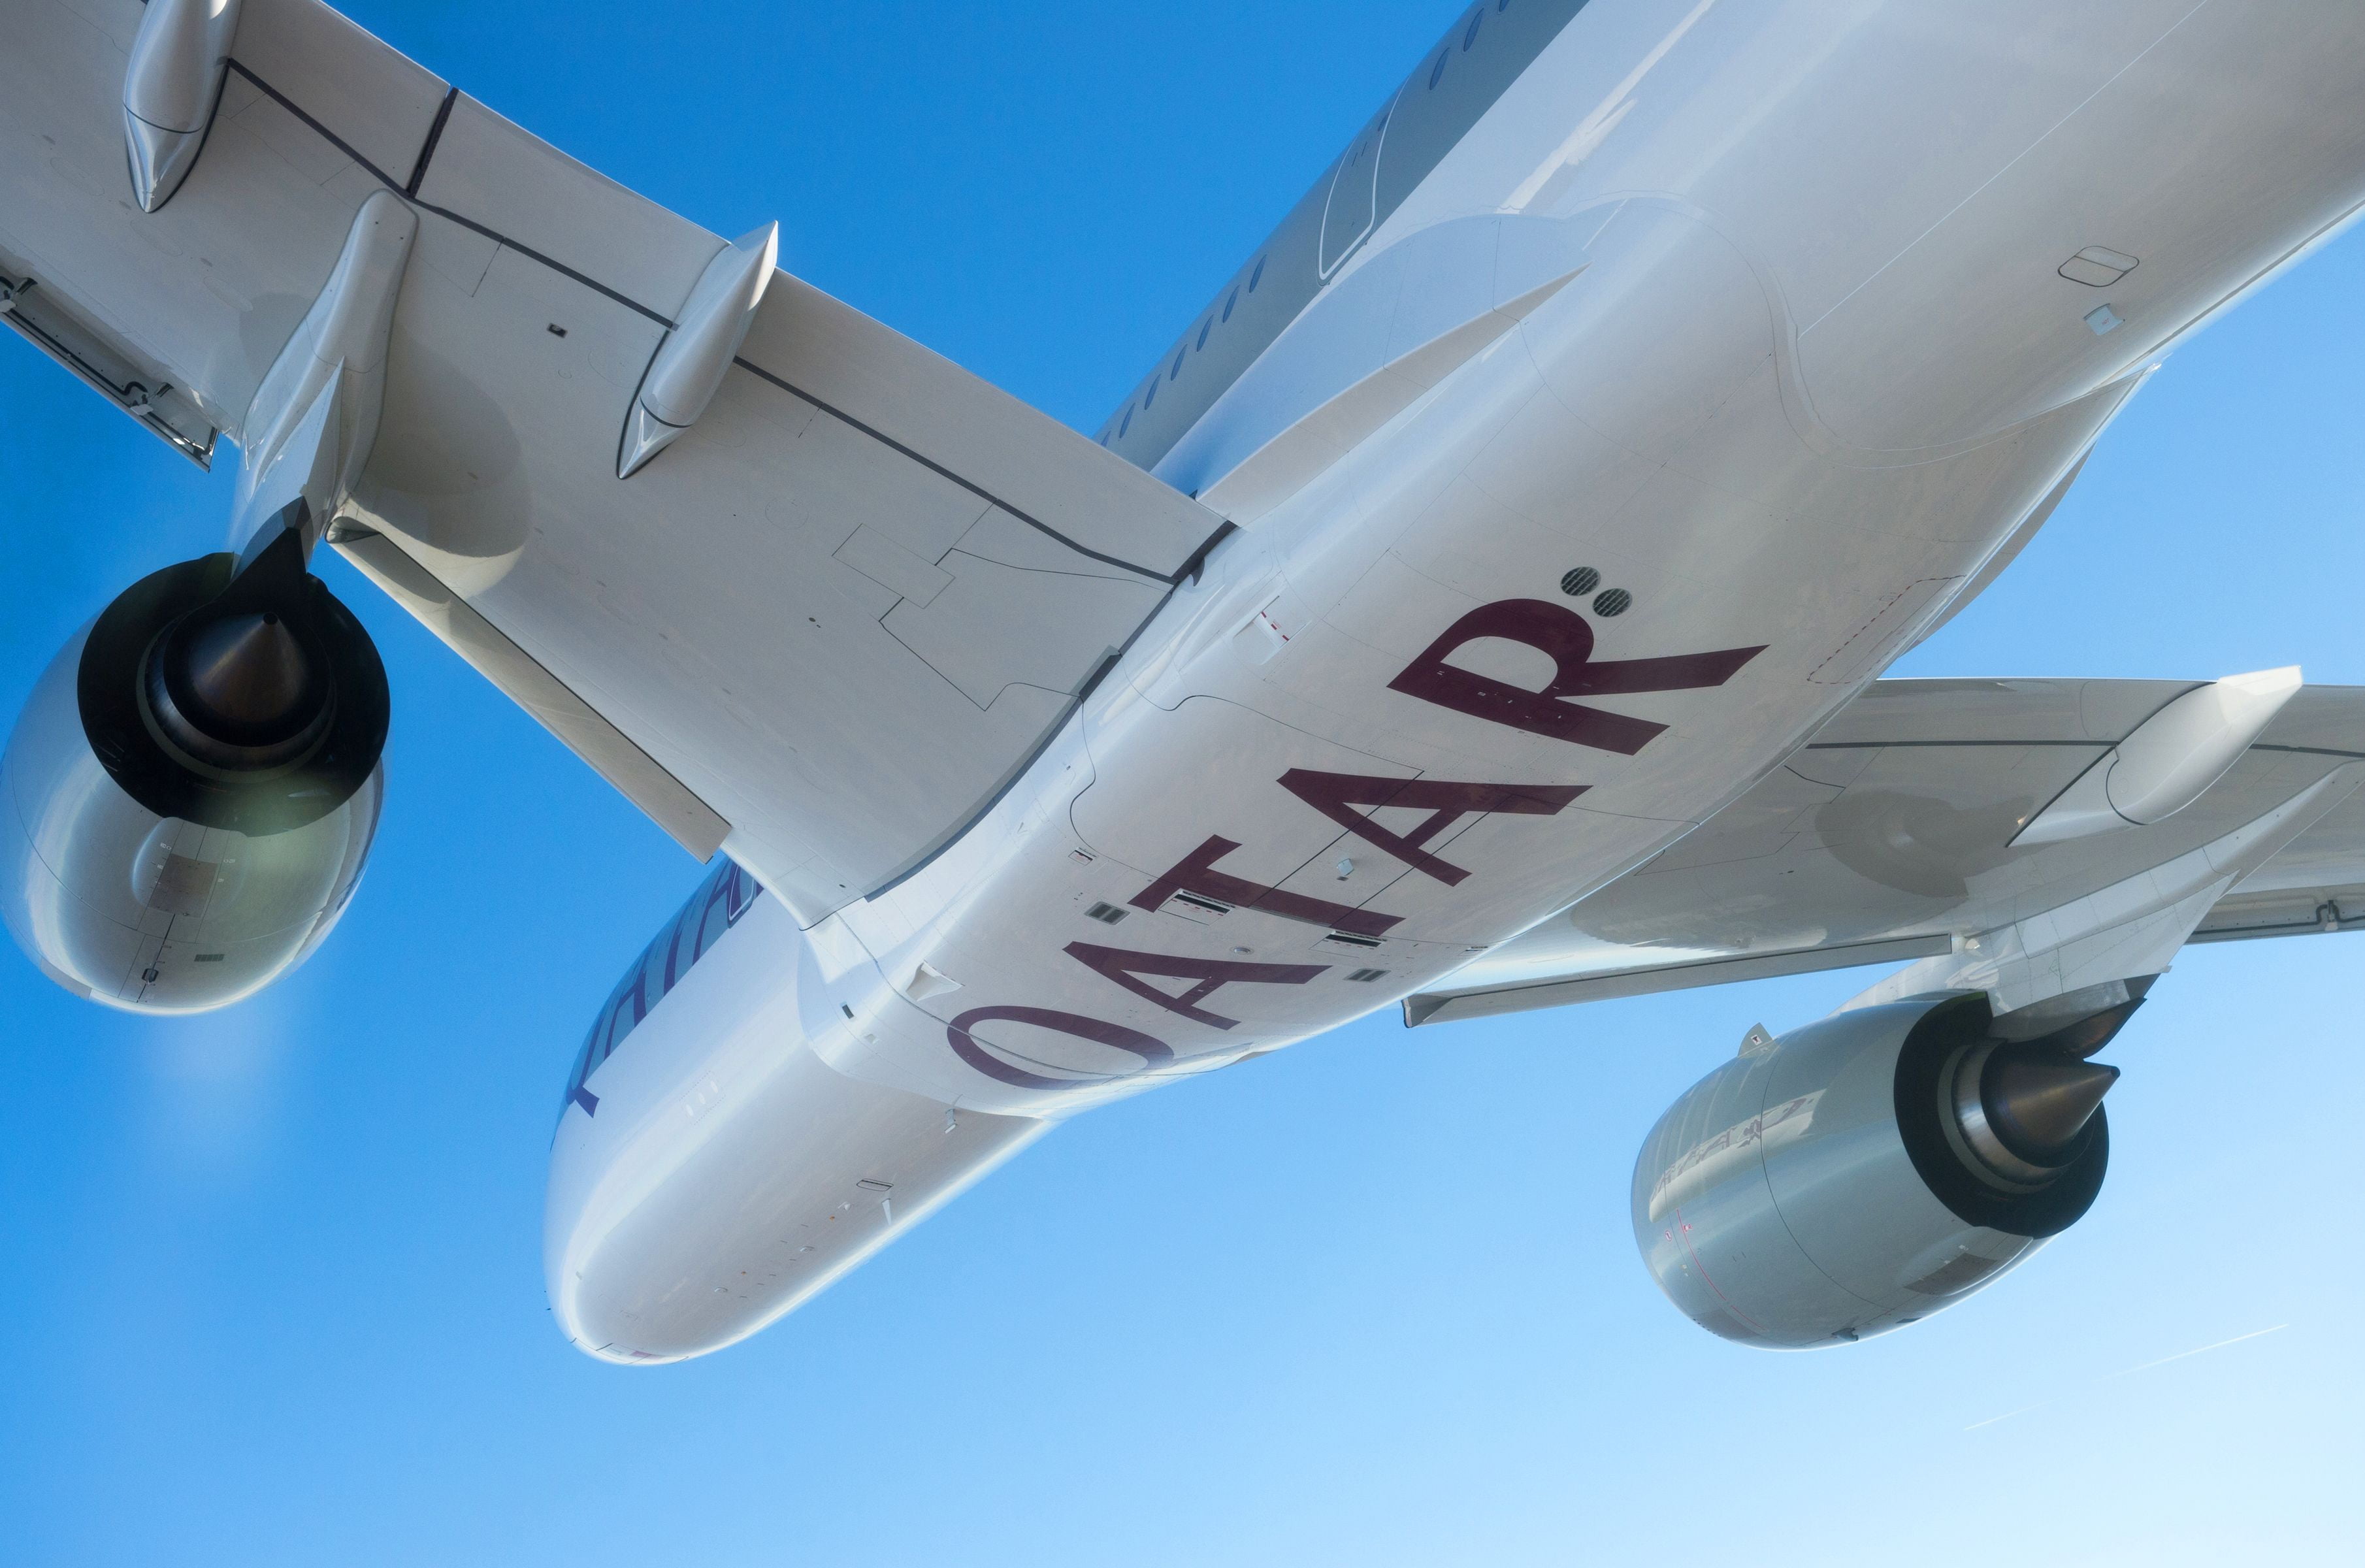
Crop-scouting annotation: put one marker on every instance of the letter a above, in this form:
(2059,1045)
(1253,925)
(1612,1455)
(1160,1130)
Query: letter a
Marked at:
(1567,639)
(1335,796)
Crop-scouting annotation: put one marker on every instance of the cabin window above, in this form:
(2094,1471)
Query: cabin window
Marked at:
(1178,361)
(1438,70)
(1257,276)
(1471,37)
(1208,327)
(1235,299)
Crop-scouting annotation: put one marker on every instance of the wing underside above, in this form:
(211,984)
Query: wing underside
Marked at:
(1888,838)
(826,626)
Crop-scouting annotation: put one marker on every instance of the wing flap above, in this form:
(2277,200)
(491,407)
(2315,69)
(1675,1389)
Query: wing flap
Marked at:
(2244,916)
(1485,1001)
(691,822)
(203,293)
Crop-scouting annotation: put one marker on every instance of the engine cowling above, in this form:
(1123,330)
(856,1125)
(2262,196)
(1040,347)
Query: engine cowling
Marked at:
(192,788)
(1869,1170)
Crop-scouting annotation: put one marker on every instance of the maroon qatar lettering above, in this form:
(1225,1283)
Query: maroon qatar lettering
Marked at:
(1566,638)
(1126,967)
(1335,796)
(1350,800)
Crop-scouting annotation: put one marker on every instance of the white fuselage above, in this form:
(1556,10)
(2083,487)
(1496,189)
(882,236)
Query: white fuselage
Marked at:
(1708,366)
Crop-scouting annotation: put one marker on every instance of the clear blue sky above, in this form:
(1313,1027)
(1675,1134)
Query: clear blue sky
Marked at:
(270,1281)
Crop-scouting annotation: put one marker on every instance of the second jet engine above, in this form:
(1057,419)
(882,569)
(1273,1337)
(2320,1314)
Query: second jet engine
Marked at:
(1866,1170)
(186,801)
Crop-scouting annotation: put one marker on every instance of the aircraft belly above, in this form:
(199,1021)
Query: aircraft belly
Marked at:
(1568,602)
(811,1173)
(1791,392)
(724,1172)
(1561,609)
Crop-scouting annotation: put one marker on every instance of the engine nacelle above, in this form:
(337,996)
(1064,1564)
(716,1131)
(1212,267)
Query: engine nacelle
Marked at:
(1866,1170)
(192,788)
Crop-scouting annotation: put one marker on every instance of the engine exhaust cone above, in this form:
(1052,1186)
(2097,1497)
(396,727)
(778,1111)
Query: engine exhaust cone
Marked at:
(2022,1110)
(235,686)
(248,673)
(2039,1106)
(235,694)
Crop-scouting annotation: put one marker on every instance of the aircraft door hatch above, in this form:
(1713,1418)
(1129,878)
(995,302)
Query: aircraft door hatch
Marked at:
(1348,215)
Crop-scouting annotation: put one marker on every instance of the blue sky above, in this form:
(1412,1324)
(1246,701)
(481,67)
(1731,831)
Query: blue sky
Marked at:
(271,1278)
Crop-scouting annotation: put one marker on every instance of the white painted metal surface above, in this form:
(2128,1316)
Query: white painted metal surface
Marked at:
(1643,377)
(905,576)
(1895,834)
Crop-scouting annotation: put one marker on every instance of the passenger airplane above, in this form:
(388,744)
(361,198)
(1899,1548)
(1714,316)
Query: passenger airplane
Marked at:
(1477,607)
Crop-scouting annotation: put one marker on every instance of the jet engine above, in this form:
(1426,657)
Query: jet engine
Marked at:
(1866,1170)
(193,786)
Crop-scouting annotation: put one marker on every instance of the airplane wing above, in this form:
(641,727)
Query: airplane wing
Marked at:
(1890,837)
(827,626)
